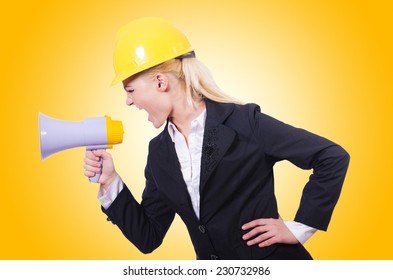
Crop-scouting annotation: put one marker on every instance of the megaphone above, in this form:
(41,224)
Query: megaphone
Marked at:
(93,133)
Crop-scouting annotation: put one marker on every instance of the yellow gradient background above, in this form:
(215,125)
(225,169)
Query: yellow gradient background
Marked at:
(326,66)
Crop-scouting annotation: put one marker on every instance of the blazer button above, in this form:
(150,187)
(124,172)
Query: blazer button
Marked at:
(109,220)
(213,257)
(202,228)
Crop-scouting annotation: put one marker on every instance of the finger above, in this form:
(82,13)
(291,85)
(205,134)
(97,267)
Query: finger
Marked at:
(253,224)
(269,242)
(92,168)
(257,222)
(260,238)
(99,153)
(254,232)
(91,155)
(89,173)
(91,162)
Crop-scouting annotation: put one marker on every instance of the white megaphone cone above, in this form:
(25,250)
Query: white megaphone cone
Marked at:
(93,133)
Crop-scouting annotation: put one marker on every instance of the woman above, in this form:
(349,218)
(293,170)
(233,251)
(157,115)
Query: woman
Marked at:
(213,162)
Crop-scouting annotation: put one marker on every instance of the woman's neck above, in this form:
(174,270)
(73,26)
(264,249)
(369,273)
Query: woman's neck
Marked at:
(183,114)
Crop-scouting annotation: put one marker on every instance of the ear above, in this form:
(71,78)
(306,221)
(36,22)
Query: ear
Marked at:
(161,81)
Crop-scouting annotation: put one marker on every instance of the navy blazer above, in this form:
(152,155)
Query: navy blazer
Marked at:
(240,147)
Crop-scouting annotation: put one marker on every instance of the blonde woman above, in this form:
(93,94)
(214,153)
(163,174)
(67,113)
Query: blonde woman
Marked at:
(212,163)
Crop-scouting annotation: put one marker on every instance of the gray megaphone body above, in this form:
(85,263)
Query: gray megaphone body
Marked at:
(93,133)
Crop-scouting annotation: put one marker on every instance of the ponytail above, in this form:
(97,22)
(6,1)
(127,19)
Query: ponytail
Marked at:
(200,83)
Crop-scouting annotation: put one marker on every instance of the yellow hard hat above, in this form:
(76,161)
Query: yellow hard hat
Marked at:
(144,43)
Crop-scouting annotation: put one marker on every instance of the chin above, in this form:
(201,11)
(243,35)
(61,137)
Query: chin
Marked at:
(157,124)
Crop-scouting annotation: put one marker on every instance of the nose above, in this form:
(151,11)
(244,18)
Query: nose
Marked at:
(129,100)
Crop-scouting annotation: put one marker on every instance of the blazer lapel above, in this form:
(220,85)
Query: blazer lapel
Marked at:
(167,173)
(166,159)
(217,139)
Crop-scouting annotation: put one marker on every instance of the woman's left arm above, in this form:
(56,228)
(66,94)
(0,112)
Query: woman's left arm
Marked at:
(306,150)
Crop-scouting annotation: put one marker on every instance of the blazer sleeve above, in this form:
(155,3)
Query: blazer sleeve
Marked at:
(306,150)
(145,224)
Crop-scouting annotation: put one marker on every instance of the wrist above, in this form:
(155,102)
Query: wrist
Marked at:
(108,181)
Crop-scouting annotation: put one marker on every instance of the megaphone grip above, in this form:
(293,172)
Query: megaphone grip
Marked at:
(95,178)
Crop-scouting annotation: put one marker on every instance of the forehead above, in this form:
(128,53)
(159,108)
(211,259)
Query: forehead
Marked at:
(132,80)
(128,81)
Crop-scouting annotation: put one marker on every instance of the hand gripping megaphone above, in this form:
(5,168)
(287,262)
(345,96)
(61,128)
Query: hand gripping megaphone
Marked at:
(93,133)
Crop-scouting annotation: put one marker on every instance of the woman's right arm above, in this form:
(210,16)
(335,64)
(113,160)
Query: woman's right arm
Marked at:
(145,224)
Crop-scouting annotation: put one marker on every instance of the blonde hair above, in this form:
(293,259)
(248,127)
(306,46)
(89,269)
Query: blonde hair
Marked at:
(198,80)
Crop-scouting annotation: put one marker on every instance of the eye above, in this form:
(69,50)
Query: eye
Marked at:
(129,90)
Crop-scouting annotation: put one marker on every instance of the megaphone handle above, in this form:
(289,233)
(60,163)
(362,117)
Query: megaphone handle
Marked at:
(95,178)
